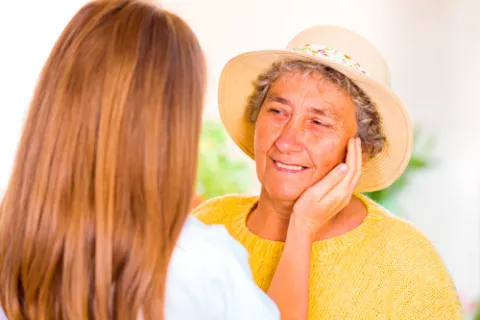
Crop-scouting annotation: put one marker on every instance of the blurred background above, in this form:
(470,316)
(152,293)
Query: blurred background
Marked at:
(432,47)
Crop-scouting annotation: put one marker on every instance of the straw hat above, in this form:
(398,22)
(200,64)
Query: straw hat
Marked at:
(346,52)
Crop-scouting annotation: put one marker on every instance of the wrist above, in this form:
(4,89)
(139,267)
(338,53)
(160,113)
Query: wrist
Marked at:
(302,228)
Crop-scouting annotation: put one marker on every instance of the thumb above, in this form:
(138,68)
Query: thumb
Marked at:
(320,189)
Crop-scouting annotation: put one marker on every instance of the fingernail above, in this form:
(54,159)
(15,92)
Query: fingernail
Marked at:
(341,169)
(359,141)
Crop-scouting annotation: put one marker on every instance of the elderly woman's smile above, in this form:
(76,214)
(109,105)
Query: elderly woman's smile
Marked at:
(301,133)
(291,168)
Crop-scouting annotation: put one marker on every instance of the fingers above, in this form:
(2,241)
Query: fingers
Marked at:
(345,176)
(359,164)
(354,162)
(317,193)
(332,179)
(340,183)
(351,159)
(326,198)
(343,190)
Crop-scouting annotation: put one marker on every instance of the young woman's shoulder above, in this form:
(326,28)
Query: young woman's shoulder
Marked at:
(209,278)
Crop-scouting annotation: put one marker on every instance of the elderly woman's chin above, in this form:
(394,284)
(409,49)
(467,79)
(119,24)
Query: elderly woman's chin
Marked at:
(278,190)
(280,185)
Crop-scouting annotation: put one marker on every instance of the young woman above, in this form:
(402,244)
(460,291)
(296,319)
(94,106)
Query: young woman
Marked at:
(93,224)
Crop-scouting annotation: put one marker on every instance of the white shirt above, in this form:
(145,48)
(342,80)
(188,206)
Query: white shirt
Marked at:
(209,279)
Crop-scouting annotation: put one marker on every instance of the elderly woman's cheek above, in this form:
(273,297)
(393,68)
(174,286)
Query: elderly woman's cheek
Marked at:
(337,151)
(266,132)
(261,147)
(326,153)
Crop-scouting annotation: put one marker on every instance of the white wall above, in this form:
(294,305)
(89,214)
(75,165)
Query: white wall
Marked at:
(432,47)
(28,30)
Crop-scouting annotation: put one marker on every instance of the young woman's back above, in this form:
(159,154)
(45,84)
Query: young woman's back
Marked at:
(104,174)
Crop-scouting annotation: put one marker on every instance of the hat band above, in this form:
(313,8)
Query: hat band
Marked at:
(333,55)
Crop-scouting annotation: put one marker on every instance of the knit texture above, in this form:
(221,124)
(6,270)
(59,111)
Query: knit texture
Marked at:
(383,269)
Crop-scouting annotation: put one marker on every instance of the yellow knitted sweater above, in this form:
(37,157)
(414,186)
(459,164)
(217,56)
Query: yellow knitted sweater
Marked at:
(383,269)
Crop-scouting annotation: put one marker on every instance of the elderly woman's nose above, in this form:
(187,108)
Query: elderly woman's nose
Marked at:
(289,139)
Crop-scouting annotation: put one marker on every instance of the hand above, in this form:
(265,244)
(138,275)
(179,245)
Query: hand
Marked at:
(319,203)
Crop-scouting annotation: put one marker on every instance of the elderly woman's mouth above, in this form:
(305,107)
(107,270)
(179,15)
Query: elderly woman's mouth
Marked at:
(289,167)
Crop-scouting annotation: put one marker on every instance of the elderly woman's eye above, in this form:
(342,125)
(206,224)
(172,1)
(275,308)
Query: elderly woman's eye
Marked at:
(319,123)
(273,110)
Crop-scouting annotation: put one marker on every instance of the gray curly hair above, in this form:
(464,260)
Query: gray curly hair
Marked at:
(368,119)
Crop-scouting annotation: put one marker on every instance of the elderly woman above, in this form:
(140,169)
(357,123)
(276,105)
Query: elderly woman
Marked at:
(320,109)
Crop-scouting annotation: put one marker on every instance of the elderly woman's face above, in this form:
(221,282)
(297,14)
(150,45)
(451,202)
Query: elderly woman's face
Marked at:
(301,134)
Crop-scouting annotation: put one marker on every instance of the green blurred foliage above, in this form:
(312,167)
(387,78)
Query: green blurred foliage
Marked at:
(421,159)
(218,172)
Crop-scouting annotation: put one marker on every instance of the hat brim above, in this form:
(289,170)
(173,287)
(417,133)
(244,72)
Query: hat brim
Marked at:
(236,85)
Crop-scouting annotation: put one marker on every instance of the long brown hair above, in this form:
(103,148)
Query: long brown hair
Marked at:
(105,169)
